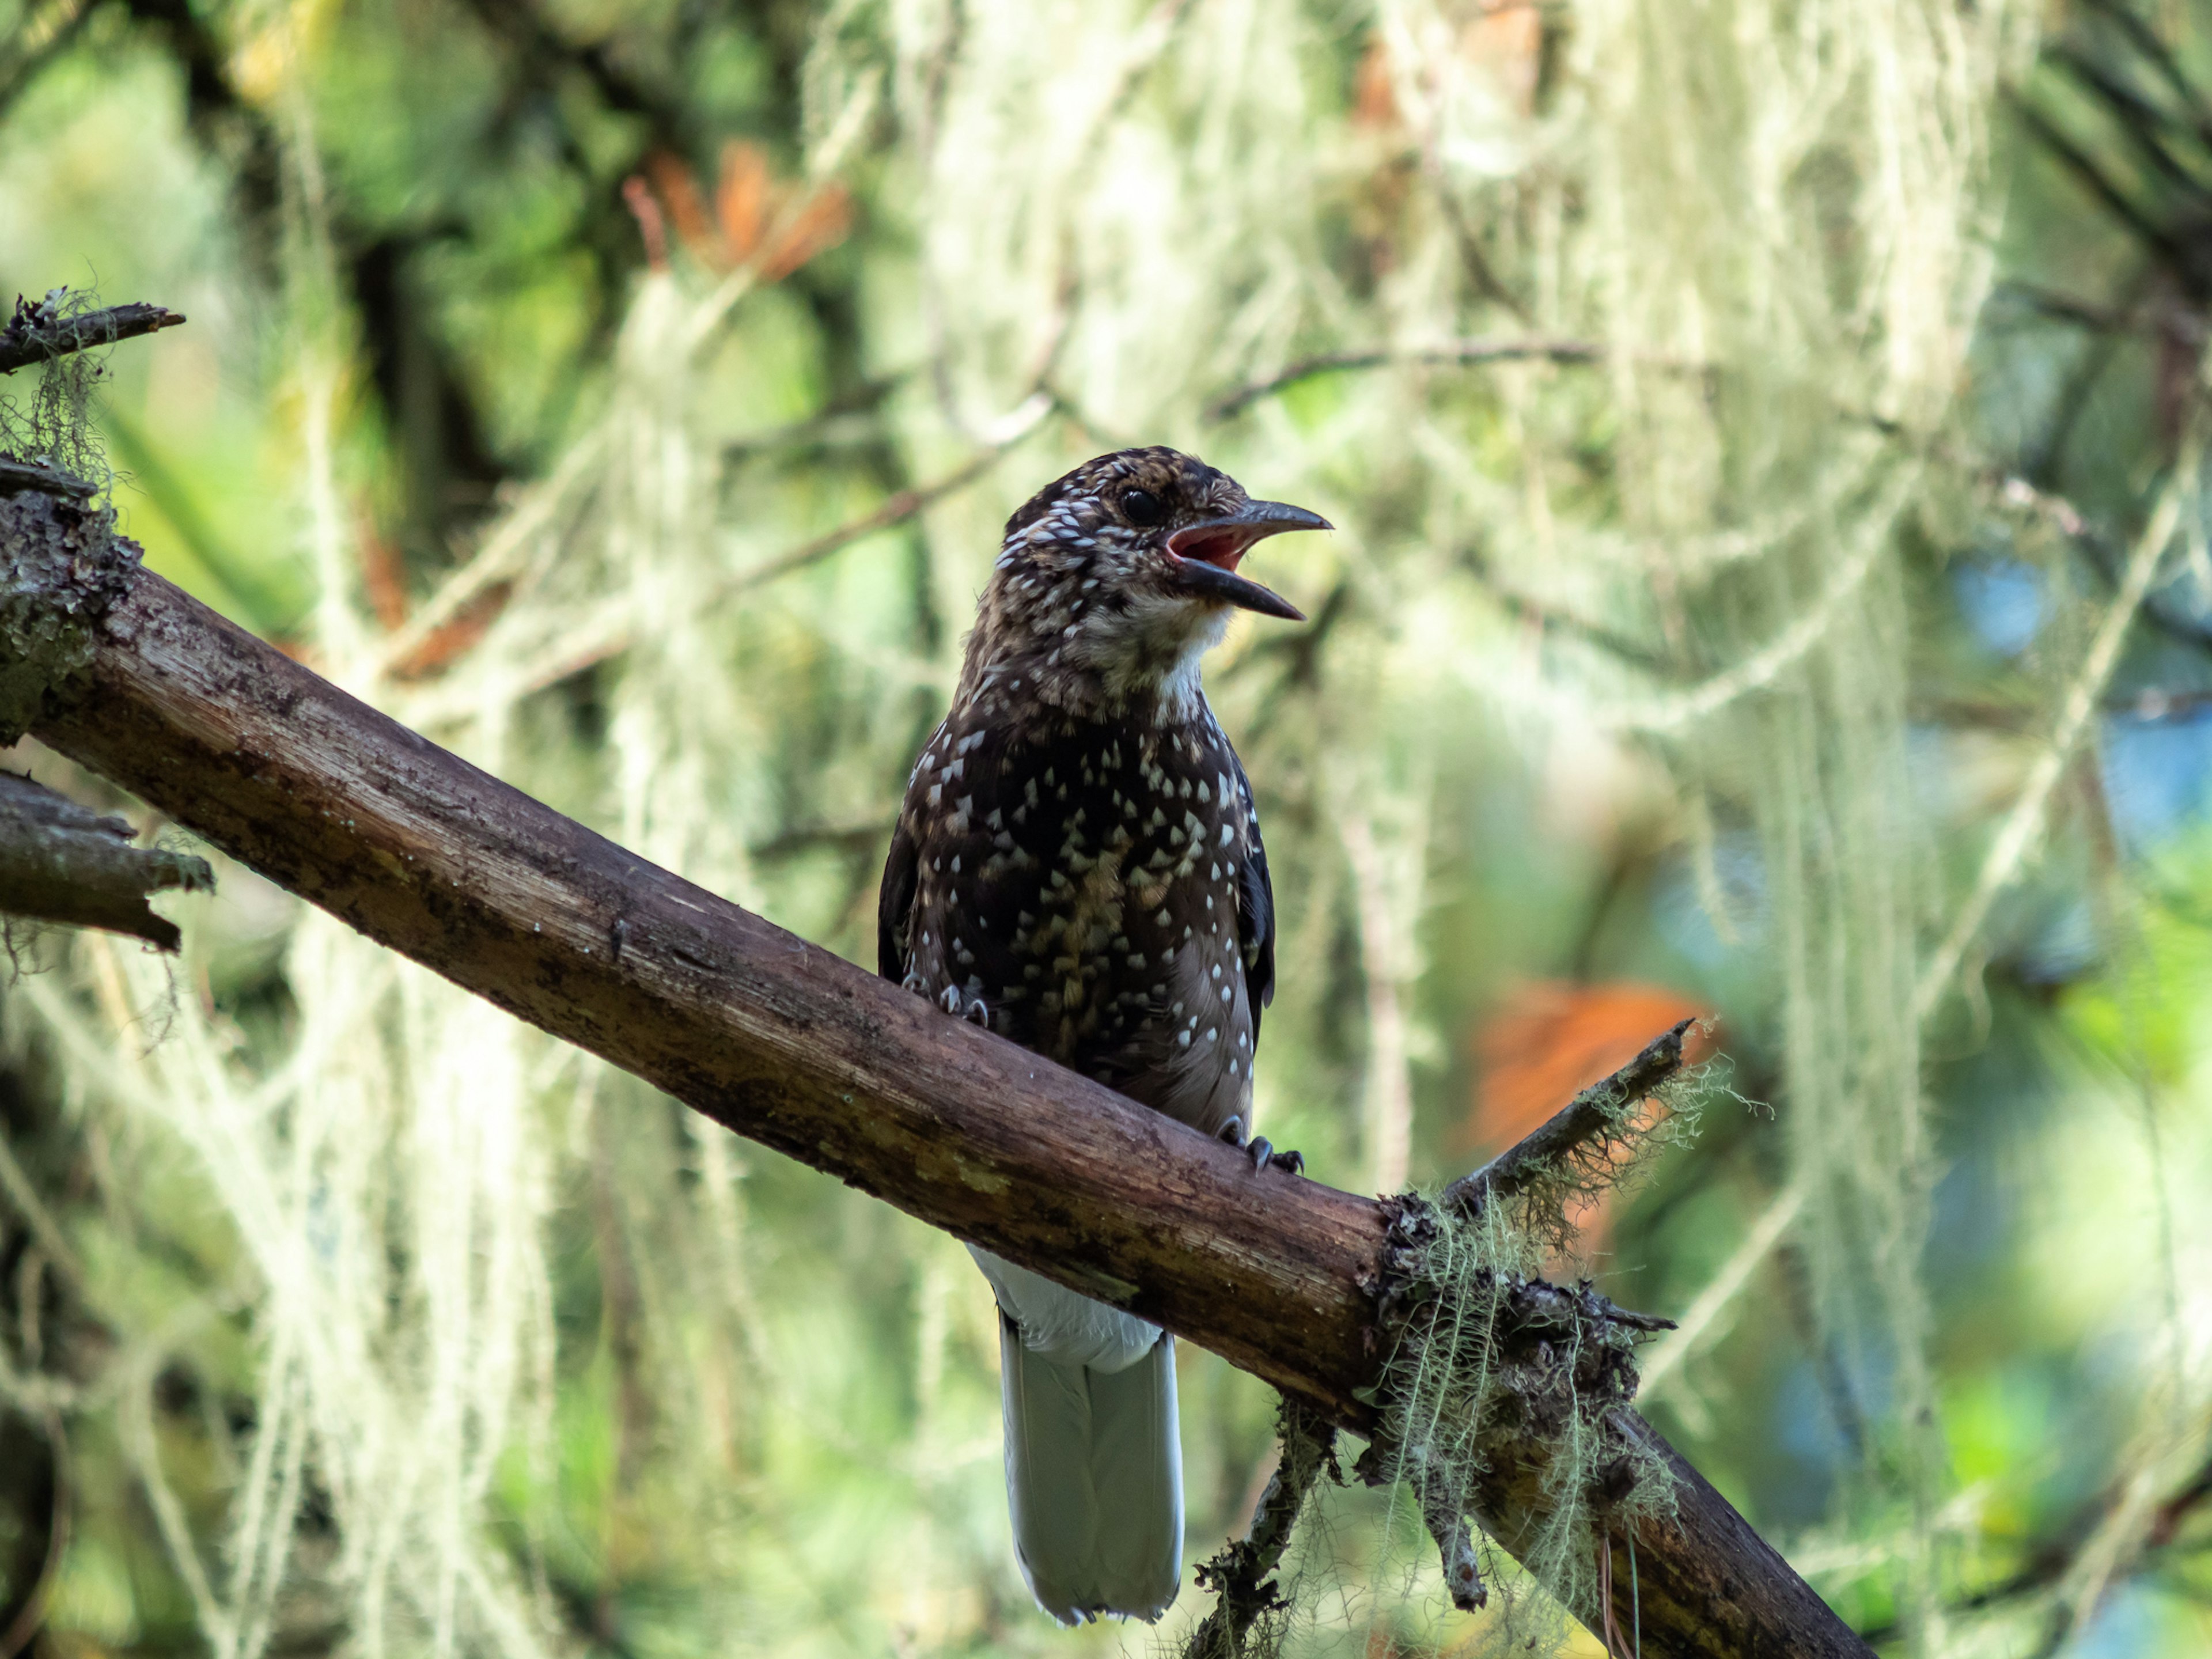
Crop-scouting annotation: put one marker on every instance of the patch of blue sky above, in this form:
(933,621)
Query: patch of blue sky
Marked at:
(2003,601)
(2157,774)
(1679,905)
(2061,947)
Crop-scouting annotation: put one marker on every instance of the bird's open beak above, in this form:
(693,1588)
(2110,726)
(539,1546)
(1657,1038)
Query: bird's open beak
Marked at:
(1205,556)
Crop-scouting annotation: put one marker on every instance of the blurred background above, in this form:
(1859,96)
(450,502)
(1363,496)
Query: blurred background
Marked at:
(1771,583)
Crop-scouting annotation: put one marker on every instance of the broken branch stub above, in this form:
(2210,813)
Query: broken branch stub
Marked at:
(61,862)
(39,333)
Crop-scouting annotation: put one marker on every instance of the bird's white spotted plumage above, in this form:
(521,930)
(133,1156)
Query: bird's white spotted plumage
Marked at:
(1099,873)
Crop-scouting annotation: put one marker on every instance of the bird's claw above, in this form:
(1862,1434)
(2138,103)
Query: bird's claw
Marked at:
(960,1006)
(1265,1156)
(1261,1150)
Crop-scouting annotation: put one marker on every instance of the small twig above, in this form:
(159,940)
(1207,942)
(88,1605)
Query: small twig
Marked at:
(611,633)
(1444,1511)
(896,509)
(1240,1572)
(2054,1557)
(1665,1358)
(17,477)
(1524,608)
(1588,1114)
(2014,841)
(38,332)
(1460,352)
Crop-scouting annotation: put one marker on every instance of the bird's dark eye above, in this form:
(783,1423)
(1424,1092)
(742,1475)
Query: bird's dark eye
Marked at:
(1142,507)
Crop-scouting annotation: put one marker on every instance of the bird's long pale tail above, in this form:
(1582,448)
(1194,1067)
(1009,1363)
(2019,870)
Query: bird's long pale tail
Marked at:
(1094,1460)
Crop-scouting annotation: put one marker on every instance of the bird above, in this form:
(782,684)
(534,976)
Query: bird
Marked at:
(1076,865)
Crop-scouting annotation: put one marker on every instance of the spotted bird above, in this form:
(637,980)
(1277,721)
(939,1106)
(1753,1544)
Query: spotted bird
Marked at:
(1078,866)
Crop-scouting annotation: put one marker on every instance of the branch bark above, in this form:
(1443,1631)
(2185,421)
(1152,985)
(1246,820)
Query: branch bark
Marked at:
(792,1046)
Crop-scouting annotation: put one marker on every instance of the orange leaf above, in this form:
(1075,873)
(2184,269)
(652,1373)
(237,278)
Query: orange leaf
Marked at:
(383,576)
(741,199)
(1553,1039)
(679,193)
(1374,100)
(1508,40)
(457,637)
(820,225)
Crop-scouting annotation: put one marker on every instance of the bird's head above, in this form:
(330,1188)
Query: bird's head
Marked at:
(1121,575)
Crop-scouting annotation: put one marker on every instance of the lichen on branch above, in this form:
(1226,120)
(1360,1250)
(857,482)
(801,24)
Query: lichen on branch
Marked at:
(62,566)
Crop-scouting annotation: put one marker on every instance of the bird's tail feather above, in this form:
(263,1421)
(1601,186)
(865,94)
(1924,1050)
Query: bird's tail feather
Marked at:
(1094,1480)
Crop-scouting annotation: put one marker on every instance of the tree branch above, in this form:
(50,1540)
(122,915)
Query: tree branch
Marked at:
(1241,1573)
(17,477)
(1456,352)
(39,332)
(792,1046)
(1597,1110)
(62,862)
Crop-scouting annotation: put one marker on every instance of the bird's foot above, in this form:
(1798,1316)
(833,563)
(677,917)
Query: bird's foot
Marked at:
(963,1005)
(1262,1150)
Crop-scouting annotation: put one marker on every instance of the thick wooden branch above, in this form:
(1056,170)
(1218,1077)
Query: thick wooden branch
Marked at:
(792,1046)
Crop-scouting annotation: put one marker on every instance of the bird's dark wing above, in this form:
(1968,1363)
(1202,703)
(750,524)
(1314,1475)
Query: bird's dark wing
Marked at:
(1255,909)
(894,900)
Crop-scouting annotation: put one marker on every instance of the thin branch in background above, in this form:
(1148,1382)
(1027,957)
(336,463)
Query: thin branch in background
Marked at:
(38,334)
(896,509)
(1522,607)
(869,837)
(1665,1358)
(2062,307)
(2142,123)
(500,560)
(2009,851)
(16,1184)
(524,27)
(1472,259)
(1458,353)
(1387,1125)
(1673,711)
(611,634)
(851,416)
(2051,1562)
(2092,178)
(26,1617)
(38,40)
(2154,51)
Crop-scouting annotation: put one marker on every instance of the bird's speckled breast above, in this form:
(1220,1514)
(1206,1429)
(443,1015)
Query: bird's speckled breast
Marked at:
(1081,879)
